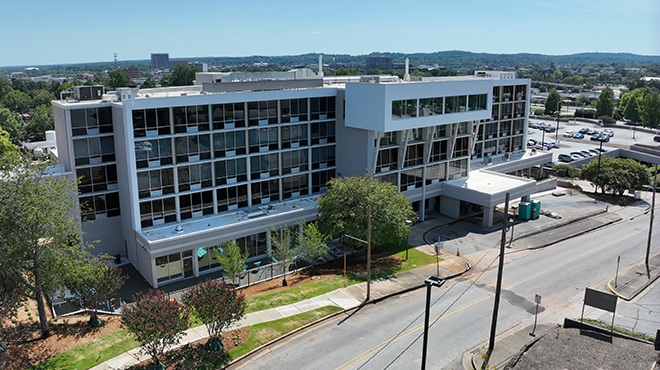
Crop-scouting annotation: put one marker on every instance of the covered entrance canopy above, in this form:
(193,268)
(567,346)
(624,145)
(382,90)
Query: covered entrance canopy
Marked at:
(485,188)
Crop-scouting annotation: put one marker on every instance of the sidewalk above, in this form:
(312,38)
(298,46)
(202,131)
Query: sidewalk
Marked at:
(581,218)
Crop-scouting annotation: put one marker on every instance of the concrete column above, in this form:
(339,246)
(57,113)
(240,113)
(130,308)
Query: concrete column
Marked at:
(488,216)
(450,207)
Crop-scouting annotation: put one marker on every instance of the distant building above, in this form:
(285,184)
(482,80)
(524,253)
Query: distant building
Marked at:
(201,67)
(134,72)
(160,60)
(379,62)
(173,63)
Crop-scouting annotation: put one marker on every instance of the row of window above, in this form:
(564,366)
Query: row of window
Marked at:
(191,148)
(508,110)
(196,118)
(91,121)
(160,181)
(413,178)
(99,206)
(500,129)
(388,158)
(509,93)
(410,108)
(164,210)
(498,146)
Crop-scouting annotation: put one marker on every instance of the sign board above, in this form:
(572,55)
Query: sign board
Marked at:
(438,246)
(602,300)
(201,252)
(537,299)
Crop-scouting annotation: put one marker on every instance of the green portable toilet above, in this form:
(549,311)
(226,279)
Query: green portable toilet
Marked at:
(524,211)
(536,209)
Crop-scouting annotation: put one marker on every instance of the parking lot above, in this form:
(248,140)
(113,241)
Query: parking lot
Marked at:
(622,137)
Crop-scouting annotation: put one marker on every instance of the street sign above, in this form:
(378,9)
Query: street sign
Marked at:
(438,246)
(537,299)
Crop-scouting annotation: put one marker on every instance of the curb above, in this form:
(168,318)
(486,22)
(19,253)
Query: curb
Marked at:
(323,319)
(569,236)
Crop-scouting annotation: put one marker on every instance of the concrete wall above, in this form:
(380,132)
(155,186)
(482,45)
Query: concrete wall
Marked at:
(107,237)
(545,185)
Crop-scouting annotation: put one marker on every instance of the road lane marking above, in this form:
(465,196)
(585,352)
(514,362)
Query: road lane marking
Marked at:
(394,339)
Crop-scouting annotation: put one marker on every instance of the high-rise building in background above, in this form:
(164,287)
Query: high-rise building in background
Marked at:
(160,60)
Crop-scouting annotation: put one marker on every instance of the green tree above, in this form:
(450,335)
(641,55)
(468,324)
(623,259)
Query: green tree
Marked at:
(5,87)
(17,101)
(346,72)
(233,262)
(313,242)
(615,175)
(217,306)
(156,322)
(605,103)
(41,97)
(553,102)
(148,84)
(93,281)
(651,111)
(285,246)
(39,228)
(564,170)
(6,145)
(631,110)
(582,100)
(181,75)
(343,210)
(12,123)
(41,121)
(119,78)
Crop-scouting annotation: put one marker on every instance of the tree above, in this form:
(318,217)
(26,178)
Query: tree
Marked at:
(615,175)
(631,110)
(12,297)
(217,305)
(13,124)
(41,121)
(6,146)
(17,101)
(5,87)
(565,170)
(313,242)
(119,78)
(41,97)
(148,84)
(553,102)
(233,263)
(651,111)
(39,228)
(182,75)
(92,281)
(605,103)
(285,246)
(343,210)
(156,321)
(346,72)
(582,99)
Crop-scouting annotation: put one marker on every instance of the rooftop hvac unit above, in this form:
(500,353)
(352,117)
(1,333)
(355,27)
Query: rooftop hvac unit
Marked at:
(88,92)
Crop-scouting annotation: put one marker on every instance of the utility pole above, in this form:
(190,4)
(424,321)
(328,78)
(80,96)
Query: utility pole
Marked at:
(498,289)
(648,244)
(368,251)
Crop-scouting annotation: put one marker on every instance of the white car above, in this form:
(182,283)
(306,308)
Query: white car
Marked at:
(608,131)
(569,134)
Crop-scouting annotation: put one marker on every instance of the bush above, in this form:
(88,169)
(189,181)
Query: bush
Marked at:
(586,113)
(539,112)
(607,119)
(564,170)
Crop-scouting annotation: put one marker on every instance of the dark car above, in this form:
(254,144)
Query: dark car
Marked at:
(594,137)
(565,158)
(604,138)
(656,138)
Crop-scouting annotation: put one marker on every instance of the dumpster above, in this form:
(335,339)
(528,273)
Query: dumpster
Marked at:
(536,209)
(524,211)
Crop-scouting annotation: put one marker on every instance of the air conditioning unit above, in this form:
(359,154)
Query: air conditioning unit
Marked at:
(507,156)
(88,92)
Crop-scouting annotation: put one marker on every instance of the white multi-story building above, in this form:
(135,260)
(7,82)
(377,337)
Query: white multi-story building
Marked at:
(168,174)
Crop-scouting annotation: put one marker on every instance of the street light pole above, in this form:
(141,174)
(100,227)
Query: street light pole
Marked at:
(557,133)
(430,281)
(648,243)
(409,224)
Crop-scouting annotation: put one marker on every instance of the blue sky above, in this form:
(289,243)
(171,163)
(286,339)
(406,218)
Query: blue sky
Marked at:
(40,32)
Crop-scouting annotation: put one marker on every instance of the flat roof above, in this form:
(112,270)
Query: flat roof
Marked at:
(487,188)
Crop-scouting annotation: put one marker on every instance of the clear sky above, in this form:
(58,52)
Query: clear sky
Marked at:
(41,32)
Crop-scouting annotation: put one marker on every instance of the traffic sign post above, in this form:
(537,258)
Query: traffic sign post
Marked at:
(537,300)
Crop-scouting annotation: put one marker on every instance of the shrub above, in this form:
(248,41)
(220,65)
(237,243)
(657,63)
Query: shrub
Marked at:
(539,112)
(564,170)
(606,119)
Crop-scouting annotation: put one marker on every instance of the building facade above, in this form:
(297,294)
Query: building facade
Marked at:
(169,174)
(160,60)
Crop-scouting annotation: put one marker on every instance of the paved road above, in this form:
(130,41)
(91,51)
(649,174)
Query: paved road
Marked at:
(388,333)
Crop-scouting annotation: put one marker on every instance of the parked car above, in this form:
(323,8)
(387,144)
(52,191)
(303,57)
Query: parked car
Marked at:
(586,153)
(604,138)
(608,131)
(578,154)
(549,129)
(569,134)
(565,158)
(594,137)
(602,150)
(578,136)
(656,138)
(594,151)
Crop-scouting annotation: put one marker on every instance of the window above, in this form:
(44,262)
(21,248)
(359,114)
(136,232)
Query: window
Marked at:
(230,171)
(232,197)
(196,204)
(320,178)
(507,93)
(264,166)
(155,182)
(295,186)
(519,126)
(263,140)
(454,104)
(415,134)
(430,106)
(388,159)
(490,147)
(506,110)
(388,138)
(458,168)
(322,108)
(262,113)
(496,94)
(463,128)
(99,206)
(521,92)
(91,121)
(295,161)
(436,173)
(461,146)
(477,102)
(504,145)
(265,191)
(388,178)
(168,267)
(294,110)
(294,136)
(228,144)
(228,116)
(323,157)
(505,128)
(520,109)
(404,108)
(194,176)
(517,143)
(94,150)
(192,148)
(414,155)
(254,245)
(323,132)
(152,153)
(99,178)
(411,179)
(151,122)
(191,119)
(158,211)
(438,151)
(495,113)
(208,261)
(440,131)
